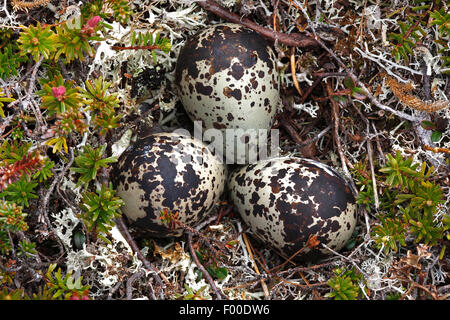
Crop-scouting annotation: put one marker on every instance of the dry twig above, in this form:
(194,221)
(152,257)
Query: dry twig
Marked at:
(293,39)
(250,252)
(202,268)
(155,273)
(344,160)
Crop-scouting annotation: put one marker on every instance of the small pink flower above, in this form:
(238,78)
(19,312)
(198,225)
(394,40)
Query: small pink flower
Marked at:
(59,92)
(92,23)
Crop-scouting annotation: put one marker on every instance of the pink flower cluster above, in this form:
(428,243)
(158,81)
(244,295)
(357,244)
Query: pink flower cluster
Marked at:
(89,28)
(59,92)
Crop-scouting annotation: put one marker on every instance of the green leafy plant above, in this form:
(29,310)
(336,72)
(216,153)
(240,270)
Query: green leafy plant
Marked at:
(63,287)
(2,100)
(409,202)
(27,248)
(16,133)
(10,61)
(435,135)
(442,20)
(59,96)
(57,286)
(100,209)
(13,151)
(415,27)
(7,275)
(68,123)
(12,219)
(210,263)
(345,285)
(405,41)
(389,232)
(356,92)
(149,40)
(45,171)
(20,191)
(62,99)
(74,38)
(122,10)
(6,294)
(190,294)
(102,104)
(366,192)
(118,10)
(399,172)
(89,161)
(421,200)
(37,40)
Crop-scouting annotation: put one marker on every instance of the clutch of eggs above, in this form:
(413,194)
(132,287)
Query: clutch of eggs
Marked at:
(286,200)
(168,172)
(227,78)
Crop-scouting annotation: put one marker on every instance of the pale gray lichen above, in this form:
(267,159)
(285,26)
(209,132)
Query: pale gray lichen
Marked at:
(64,223)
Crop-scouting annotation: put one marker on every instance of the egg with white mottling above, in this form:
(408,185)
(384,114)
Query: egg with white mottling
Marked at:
(168,172)
(227,77)
(284,201)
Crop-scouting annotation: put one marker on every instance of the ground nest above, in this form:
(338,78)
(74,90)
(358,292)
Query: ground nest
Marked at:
(364,88)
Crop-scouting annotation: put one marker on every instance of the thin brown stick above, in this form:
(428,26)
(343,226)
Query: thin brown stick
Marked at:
(380,150)
(300,269)
(369,95)
(302,286)
(309,141)
(414,284)
(298,285)
(311,243)
(130,282)
(117,48)
(294,72)
(284,122)
(250,252)
(31,85)
(155,273)
(335,109)
(372,172)
(293,39)
(320,76)
(43,206)
(202,268)
(437,149)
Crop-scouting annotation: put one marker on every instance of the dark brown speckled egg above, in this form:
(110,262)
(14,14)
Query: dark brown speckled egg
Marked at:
(227,77)
(168,171)
(286,200)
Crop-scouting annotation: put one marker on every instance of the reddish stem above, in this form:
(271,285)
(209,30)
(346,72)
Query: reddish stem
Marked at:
(293,39)
(136,48)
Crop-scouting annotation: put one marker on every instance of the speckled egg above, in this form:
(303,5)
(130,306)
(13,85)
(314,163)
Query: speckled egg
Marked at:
(286,200)
(227,77)
(168,171)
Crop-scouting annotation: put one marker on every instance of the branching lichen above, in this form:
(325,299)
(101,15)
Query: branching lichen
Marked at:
(79,81)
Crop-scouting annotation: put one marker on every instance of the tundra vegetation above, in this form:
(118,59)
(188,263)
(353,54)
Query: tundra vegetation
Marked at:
(365,88)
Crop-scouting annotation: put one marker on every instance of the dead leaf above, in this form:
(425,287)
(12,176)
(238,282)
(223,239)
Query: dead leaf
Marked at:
(412,260)
(173,254)
(422,251)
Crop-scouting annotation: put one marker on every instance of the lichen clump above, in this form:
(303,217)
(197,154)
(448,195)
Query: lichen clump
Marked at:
(367,94)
